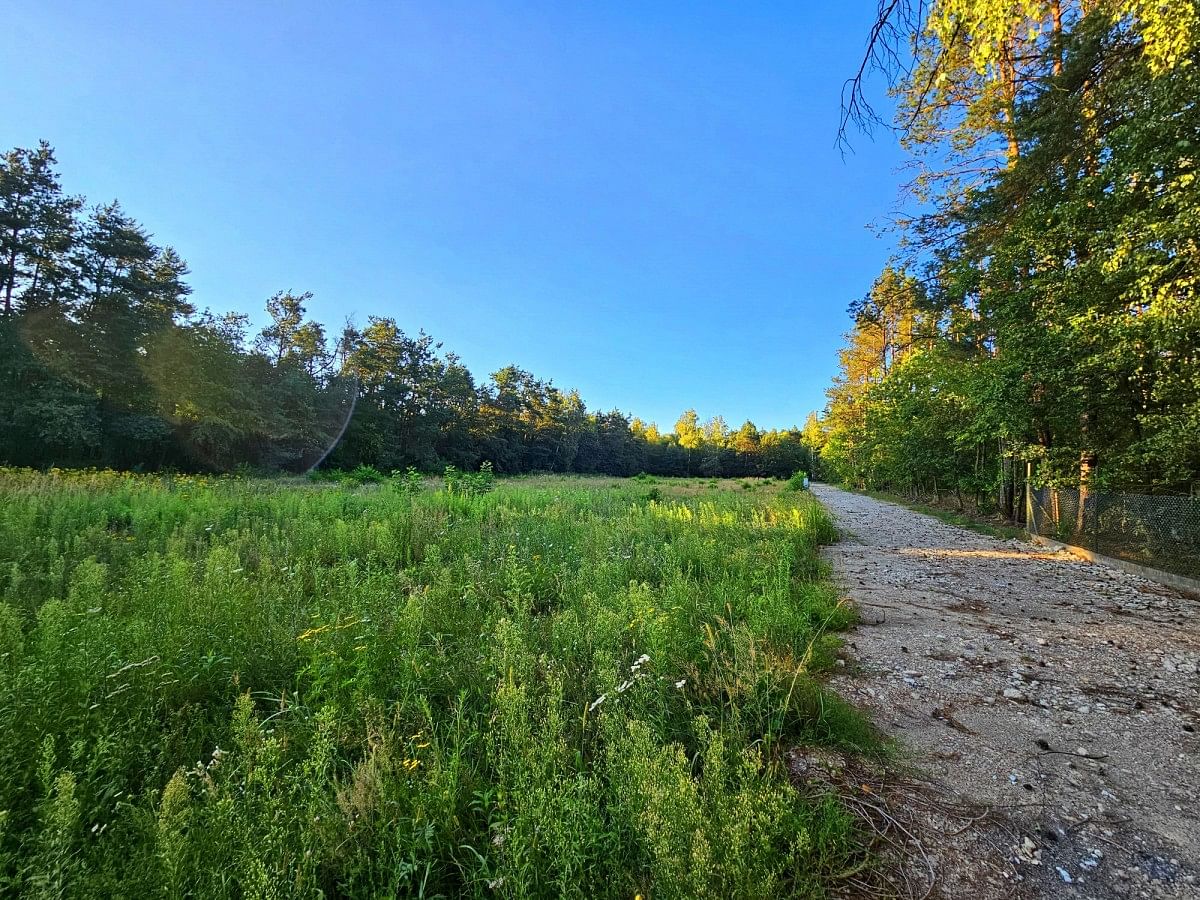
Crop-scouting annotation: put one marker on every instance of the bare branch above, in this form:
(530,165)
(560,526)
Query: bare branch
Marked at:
(887,52)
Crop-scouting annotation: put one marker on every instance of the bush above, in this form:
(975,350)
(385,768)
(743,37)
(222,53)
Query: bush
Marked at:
(410,481)
(364,475)
(470,483)
(796,482)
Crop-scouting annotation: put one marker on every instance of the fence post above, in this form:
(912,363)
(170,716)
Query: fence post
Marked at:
(1030,527)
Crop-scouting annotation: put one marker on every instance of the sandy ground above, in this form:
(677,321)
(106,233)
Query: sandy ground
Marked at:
(1057,697)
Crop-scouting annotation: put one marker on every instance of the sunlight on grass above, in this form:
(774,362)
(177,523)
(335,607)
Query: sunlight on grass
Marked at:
(558,688)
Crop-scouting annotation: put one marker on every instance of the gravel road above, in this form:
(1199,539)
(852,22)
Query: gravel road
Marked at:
(1055,695)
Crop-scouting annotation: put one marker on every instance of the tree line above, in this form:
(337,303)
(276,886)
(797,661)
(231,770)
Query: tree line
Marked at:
(1044,309)
(105,361)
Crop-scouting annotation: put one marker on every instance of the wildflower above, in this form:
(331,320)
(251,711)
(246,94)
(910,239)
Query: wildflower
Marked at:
(597,702)
(312,632)
(681,682)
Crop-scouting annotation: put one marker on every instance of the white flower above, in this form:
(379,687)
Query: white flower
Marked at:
(597,702)
(681,682)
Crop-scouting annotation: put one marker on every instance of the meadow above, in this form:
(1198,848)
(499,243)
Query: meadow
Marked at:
(562,687)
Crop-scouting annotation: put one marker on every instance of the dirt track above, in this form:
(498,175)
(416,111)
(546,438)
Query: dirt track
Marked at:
(1060,695)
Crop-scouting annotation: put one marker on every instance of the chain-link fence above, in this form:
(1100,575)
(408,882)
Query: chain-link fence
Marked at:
(1160,532)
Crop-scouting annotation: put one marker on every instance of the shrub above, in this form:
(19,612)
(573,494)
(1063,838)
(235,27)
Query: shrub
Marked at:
(796,482)
(365,475)
(470,483)
(410,481)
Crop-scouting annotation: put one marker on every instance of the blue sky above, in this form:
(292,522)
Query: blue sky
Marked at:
(640,200)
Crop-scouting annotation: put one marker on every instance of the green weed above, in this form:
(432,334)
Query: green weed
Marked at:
(547,687)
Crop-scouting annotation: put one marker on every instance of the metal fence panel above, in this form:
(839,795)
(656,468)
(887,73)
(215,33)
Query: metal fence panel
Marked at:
(1160,532)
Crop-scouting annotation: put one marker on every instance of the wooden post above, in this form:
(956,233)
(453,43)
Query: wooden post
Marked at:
(1030,526)
(1087,462)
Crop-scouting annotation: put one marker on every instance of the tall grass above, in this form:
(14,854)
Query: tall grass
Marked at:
(225,688)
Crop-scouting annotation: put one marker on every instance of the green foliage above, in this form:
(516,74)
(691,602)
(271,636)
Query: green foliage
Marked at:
(469,484)
(357,476)
(1057,318)
(231,688)
(410,481)
(364,475)
(796,482)
(104,361)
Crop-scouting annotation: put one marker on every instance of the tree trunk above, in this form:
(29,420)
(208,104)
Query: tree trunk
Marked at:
(11,277)
(1056,13)
(1008,74)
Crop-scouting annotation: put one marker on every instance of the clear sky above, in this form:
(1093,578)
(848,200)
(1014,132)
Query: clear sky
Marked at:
(639,200)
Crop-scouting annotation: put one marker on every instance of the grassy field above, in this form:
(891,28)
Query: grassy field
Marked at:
(563,687)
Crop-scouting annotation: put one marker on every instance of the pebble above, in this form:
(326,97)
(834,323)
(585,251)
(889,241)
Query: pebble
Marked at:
(1105,682)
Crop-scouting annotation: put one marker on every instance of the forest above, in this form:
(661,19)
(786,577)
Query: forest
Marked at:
(1043,309)
(104,361)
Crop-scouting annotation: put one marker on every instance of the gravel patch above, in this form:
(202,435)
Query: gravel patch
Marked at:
(1057,695)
